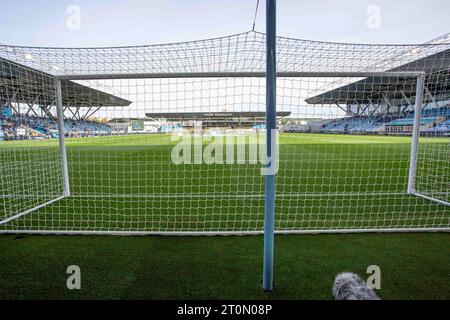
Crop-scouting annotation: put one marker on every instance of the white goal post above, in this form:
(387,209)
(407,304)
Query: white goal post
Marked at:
(415,146)
(63,158)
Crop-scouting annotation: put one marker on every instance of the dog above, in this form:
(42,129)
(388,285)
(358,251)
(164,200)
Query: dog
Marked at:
(350,286)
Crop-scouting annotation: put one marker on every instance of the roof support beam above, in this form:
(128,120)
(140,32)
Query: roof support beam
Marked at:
(387,101)
(92,113)
(409,106)
(71,111)
(46,110)
(376,108)
(30,106)
(405,109)
(78,113)
(388,105)
(431,97)
(14,96)
(406,98)
(358,108)
(346,111)
(86,113)
(372,112)
(10,104)
(364,110)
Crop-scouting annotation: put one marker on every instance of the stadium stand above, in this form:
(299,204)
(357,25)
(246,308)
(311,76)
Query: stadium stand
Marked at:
(410,121)
(434,120)
(364,124)
(443,127)
(36,127)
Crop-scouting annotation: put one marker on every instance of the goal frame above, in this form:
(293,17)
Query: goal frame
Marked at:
(63,157)
(411,190)
(415,144)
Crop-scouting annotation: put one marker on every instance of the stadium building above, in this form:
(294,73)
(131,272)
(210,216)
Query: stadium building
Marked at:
(228,120)
(378,104)
(27,104)
(371,105)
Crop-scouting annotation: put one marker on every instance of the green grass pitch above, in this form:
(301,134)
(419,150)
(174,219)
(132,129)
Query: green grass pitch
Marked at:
(127,183)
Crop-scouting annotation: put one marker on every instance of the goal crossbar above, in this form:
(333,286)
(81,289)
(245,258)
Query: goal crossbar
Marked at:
(112,76)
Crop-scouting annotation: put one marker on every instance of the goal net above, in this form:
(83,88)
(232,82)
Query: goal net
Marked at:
(433,161)
(170,138)
(30,169)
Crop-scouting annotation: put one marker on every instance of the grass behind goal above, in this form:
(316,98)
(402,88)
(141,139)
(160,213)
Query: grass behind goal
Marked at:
(128,183)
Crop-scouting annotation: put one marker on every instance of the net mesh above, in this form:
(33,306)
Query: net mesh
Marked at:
(344,142)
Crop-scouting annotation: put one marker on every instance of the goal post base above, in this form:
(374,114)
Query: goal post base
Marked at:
(443,202)
(223,233)
(21,214)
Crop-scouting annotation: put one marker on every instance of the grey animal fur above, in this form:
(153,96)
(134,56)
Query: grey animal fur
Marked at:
(350,286)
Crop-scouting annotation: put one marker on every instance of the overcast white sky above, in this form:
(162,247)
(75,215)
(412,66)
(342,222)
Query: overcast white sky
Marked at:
(130,22)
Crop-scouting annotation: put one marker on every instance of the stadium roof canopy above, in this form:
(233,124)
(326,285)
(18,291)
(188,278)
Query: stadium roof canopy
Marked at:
(172,116)
(22,84)
(395,90)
